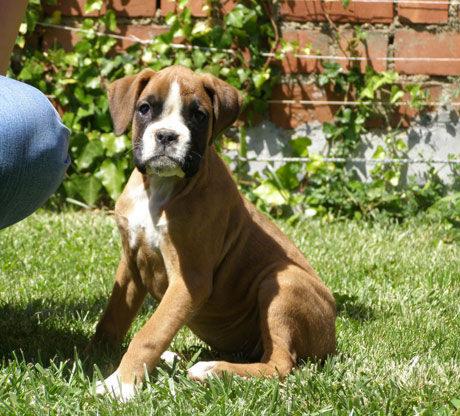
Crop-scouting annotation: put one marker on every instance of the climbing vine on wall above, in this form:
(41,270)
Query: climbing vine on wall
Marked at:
(231,46)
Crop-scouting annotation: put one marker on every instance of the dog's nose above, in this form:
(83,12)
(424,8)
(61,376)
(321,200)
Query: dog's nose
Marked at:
(165,136)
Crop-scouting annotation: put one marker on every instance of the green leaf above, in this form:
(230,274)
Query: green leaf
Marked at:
(23,28)
(310,212)
(110,20)
(455,403)
(199,58)
(260,78)
(90,153)
(287,175)
(300,146)
(329,129)
(316,164)
(201,28)
(240,16)
(401,145)
(88,187)
(112,177)
(323,79)
(269,193)
(394,180)
(396,94)
(93,5)
(379,153)
(114,144)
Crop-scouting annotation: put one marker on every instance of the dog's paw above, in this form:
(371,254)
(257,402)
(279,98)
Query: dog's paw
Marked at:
(169,357)
(113,386)
(201,370)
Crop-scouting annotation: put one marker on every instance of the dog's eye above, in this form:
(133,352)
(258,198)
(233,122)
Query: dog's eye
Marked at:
(144,109)
(200,116)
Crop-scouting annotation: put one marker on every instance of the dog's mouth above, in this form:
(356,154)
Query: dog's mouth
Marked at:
(163,164)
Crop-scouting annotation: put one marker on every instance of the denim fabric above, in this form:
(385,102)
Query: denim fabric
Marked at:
(33,150)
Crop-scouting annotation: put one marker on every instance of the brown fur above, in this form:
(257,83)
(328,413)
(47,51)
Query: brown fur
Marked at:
(222,268)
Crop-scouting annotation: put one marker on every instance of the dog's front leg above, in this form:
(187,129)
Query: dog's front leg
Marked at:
(181,300)
(127,296)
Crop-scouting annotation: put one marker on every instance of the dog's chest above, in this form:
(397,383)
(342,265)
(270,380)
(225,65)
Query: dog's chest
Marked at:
(143,229)
(145,224)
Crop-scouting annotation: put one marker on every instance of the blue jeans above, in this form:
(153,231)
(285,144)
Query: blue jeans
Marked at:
(33,150)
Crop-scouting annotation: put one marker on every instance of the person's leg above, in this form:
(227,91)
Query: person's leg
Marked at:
(33,150)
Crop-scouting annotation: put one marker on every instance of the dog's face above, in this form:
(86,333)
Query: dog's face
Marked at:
(175,114)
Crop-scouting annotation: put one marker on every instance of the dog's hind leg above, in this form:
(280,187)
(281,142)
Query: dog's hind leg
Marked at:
(297,318)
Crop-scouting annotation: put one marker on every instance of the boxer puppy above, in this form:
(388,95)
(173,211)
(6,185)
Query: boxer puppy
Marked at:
(194,243)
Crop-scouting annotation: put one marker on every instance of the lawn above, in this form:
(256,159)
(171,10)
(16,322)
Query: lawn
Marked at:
(397,289)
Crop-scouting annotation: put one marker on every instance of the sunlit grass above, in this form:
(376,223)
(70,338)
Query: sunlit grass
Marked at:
(398,294)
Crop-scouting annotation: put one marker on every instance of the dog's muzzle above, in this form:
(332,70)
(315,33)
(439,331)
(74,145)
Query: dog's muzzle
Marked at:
(163,162)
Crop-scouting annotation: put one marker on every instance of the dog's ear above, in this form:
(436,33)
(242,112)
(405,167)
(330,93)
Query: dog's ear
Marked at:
(226,102)
(123,94)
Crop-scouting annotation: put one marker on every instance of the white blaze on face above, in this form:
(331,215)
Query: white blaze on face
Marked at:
(170,119)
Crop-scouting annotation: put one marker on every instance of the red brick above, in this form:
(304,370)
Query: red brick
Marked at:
(292,115)
(128,8)
(319,44)
(307,10)
(412,44)
(72,8)
(405,114)
(68,39)
(134,8)
(373,47)
(423,13)
(57,37)
(196,6)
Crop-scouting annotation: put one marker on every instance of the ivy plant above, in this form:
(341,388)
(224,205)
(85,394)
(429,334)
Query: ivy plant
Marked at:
(233,47)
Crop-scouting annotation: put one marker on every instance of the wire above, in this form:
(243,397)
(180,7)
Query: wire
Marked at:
(357,103)
(265,54)
(368,58)
(132,38)
(308,102)
(382,1)
(406,161)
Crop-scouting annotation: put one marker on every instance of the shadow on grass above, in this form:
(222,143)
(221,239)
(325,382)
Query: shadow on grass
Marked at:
(45,329)
(197,353)
(348,306)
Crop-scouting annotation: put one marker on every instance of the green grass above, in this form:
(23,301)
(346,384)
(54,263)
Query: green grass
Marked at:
(398,294)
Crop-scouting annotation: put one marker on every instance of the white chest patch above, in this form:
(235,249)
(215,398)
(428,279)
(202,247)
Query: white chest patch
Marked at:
(144,220)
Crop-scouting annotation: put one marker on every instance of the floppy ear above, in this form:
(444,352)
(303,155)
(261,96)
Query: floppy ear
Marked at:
(123,94)
(226,102)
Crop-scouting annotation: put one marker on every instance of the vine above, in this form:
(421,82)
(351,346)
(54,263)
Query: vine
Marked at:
(231,46)
(334,190)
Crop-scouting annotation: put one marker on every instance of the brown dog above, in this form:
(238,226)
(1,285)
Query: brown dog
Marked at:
(196,245)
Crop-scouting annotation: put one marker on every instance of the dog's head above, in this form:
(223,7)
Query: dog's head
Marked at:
(175,114)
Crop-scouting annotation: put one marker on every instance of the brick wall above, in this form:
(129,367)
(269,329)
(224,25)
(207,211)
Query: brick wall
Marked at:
(404,30)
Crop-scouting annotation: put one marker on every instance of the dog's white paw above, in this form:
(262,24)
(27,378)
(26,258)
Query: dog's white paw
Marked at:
(113,386)
(169,357)
(201,370)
